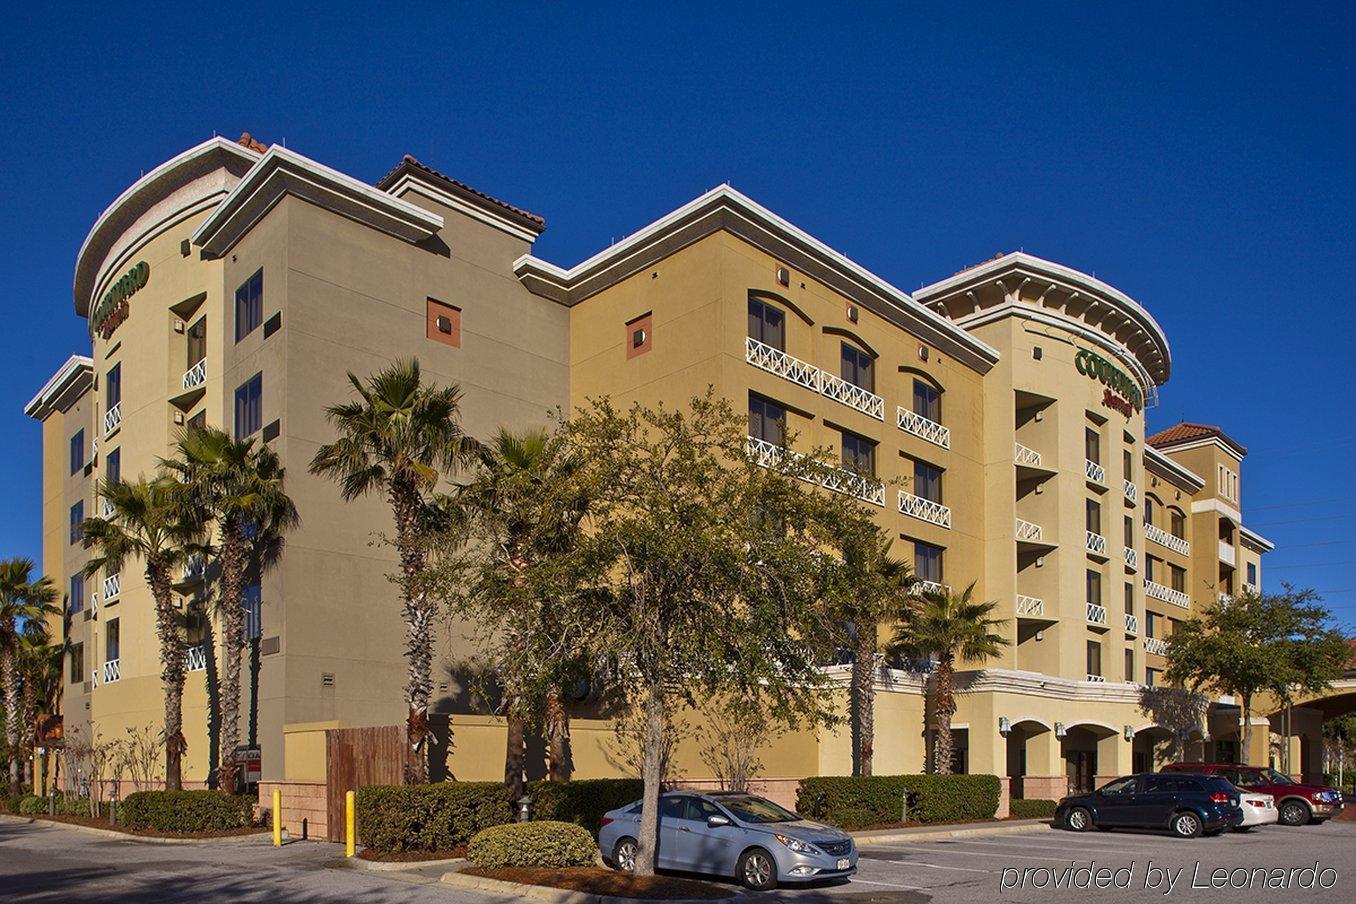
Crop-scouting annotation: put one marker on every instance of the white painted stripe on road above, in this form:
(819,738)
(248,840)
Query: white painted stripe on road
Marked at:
(960,869)
(855,880)
(1009,856)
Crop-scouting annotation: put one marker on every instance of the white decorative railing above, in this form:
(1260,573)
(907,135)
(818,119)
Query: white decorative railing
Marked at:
(924,509)
(196,375)
(112,670)
(112,418)
(921,586)
(94,678)
(1166,594)
(196,566)
(1096,614)
(1024,455)
(94,447)
(1226,552)
(1249,588)
(1097,679)
(93,603)
(197,658)
(1156,645)
(1096,543)
(802,373)
(1096,473)
(112,585)
(867,489)
(1167,540)
(106,508)
(1030,605)
(923,428)
(1130,490)
(1028,531)
(852,395)
(1226,600)
(1131,558)
(1131,623)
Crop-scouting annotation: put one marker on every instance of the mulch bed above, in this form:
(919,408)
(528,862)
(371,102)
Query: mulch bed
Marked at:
(600,881)
(410,856)
(93,823)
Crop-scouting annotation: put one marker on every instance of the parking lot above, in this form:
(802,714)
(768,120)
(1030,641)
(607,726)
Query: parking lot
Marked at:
(1045,864)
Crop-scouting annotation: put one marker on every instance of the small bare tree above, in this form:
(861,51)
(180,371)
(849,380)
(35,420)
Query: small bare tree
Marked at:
(732,741)
(137,756)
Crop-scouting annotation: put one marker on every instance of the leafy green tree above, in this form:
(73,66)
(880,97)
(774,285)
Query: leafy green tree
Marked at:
(239,488)
(399,438)
(948,627)
(22,600)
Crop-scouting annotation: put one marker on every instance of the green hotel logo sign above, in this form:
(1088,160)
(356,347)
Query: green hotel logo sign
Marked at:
(112,308)
(1122,392)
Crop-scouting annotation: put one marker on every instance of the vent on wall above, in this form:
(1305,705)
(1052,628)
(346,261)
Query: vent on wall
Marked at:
(272,431)
(327,679)
(270,645)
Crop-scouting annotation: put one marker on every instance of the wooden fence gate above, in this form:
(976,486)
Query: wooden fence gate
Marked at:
(355,757)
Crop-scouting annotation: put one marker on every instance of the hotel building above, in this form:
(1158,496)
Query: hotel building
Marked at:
(993,420)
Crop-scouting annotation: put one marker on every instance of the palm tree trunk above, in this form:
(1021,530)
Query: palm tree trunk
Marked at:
(418,617)
(13,714)
(558,737)
(172,671)
(515,754)
(864,696)
(946,708)
(233,560)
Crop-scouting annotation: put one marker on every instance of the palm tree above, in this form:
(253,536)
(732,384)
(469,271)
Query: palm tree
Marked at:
(22,600)
(40,664)
(240,488)
(946,627)
(145,522)
(400,438)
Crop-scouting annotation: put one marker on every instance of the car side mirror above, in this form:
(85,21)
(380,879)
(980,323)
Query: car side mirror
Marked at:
(715,822)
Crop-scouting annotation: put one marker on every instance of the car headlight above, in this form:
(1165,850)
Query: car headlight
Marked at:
(795,844)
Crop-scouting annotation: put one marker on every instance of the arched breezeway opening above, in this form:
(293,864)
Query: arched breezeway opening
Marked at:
(1030,744)
(1086,748)
(1294,734)
(1153,747)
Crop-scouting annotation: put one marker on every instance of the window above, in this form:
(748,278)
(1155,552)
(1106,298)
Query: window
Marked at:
(767,324)
(1148,510)
(1149,567)
(1092,445)
(767,420)
(77,660)
(77,451)
(1128,464)
(77,518)
(1177,524)
(442,322)
(1129,532)
(112,641)
(113,468)
(1129,665)
(113,387)
(927,482)
(249,406)
(927,561)
(859,454)
(1151,624)
(1129,598)
(1151,677)
(197,342)
(1094,587)
(1178,577)
(249,305)
(76,602)
(1094,515)
(857,368)
(1252,574)
(639,335)
(251,599)
(1094,658)
(198,421)
(927,401)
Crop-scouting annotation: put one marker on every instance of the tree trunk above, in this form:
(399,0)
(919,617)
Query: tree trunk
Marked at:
(173,671)
(652,772)
(233,561)
(515,753)
(418,617)
(1246,733)
(557,737)
(864,696)
(946,708)
(9,670)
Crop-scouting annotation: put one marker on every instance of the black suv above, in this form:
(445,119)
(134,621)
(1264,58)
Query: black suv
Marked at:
(1185,805)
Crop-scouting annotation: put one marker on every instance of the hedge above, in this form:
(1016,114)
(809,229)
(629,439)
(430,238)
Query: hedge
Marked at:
(545,843)
(856,802)
(32,806)
(437,817)
(1034,808)
(186,811)
(583,802)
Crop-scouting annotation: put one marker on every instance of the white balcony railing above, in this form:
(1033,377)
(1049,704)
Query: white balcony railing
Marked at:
(924,509)
(197,658)
(195,567)
(802,373)
(1166,540)
(196,375)
(852,395)
(1096,614)
(921,586)
(93,603)
(1130,490)
(112,670)
(865,488)
(1028,532)
(106,508)
(112,586)
(112,418)
(1249,588)
(1097,679)
(1157,591)
(1131,558)
(1226,600)
(1131,623)
(1156,645)
(1029,605)
(1096,543)
(94,678)
(1227,554)
(1095,472)
(921,427)
(1025,455)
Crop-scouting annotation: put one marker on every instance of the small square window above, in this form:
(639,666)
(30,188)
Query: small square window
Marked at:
(639,335)
(443,323)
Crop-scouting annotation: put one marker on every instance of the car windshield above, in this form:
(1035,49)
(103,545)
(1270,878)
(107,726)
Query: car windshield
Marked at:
(1276,778)
(757,809)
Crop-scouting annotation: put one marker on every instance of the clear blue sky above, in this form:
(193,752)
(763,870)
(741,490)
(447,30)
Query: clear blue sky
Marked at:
(1200,160)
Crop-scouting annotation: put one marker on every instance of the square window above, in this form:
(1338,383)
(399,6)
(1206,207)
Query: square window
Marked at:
(927,482)
(249,406)
(249,305)
(927,401)
(856,366)
(927,561)
(767,420)
(639,335)
(859,454)
(443,322)
(767,324)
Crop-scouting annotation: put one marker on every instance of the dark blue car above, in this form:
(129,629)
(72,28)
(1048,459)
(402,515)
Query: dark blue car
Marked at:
(1185,805)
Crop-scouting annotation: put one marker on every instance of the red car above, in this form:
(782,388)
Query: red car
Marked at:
(1297,804)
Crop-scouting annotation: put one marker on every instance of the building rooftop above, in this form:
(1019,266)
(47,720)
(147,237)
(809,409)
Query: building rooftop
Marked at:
(408,163)
(1187,432)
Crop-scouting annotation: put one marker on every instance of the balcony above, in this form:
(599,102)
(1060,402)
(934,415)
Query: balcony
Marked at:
(1131,624)
(1250,588)
(1227,554)
(197,658)
(770,455)
(106,509)
(1166,540)
(112,418)
(779,363)
(196,375)
(94,678)
(1131,559)
(1226,600)
(921,586)
(1024,455)
(1095,543)
(1156,645)
(921,427)
(1130,490)
(1097,679)
(1157,591)
(1096,615)
(1095,472)
(1030,606)
(112,670)
(924,509)
(852,395)
(1027,532)
(112,586)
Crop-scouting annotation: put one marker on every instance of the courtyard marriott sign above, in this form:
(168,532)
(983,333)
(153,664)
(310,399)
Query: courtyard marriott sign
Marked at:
(1122,393)
(112,309)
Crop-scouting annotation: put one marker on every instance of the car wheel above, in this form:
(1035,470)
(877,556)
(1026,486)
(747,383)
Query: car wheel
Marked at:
(1185,824)
(624,854)
(1078,820)
(1294,813)
(757,870)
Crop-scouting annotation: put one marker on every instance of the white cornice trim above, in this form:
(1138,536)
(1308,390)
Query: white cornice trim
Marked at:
(77,375)
(281,172)
(1256,540)
(1205,442)
(412,184)
(1171,470)
(1215,505)
(725,208)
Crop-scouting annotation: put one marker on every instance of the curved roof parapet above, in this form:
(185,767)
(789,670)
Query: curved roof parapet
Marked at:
(70,382)
(100,254)
(1024,285)
(724,208)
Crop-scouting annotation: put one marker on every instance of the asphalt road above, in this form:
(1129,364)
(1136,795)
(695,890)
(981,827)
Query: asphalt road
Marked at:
(39,864)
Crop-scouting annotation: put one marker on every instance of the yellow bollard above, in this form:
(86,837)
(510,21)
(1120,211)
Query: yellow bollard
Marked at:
(350,836)
(277,818)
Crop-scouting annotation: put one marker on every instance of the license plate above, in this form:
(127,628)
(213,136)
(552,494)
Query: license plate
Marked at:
(844,863)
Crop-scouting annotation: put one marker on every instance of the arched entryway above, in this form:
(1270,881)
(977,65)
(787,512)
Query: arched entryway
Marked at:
(1154,747)
(1028,750)
(1086,748)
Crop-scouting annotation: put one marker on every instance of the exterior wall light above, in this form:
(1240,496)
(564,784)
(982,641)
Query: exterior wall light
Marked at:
(1004,726)
(1129,733)
(1059,730)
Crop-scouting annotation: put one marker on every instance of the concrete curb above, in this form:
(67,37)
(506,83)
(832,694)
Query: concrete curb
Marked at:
(395,866)
(554,895)
(124,836)
(887,836)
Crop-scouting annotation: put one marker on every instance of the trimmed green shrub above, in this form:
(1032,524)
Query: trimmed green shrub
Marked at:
(545,843)
(186,811)
(856,802)
(437,817)
(1032,809)
(582,802)
(32,806)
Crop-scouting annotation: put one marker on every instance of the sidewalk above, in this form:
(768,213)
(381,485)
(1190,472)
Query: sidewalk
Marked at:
(916,834)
